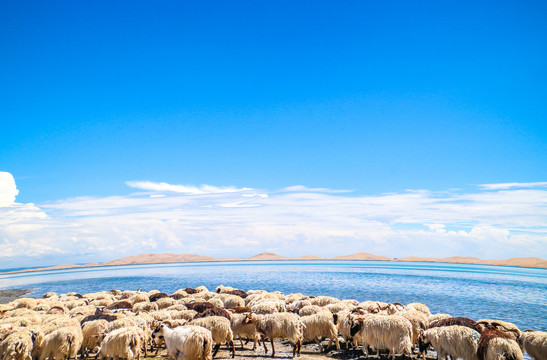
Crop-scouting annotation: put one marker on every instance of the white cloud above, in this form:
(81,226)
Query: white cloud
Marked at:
(8,190)
(302,188)
(225,221)
(183,189)
(504,186)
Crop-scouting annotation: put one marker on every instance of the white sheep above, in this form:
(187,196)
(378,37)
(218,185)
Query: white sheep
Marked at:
(324,300)
(455,340)
(384,332)
(17,346)
(344,321)
(297,305)
(231,300)
(341,306)
(420,307)
(310,310)
(244,325)
(281,326)
(220,329)
(202,288)
(145,306)
(164,303)
(137,298)
(61,343)
(92,331)
(292,298)
(27,303)
(268,307)
(185,342)
(125,343)
(224,289)
(320,325)
(535,344)
(188,315)
(495,344)
(504,326)
(418,320)
(436,317)
(254,299)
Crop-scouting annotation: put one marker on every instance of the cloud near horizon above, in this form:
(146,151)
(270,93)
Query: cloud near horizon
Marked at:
(240,222)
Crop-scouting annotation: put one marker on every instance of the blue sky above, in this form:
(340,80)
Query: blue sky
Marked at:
(439,98)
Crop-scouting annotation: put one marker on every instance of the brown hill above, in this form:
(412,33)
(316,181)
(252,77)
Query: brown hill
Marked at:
(267,256)
(307,257)
(418,259)
(461,260)
(524,262)
(158,259)
(363,256)
(230,259)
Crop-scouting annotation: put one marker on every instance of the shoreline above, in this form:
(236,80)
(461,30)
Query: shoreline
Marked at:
(96,265)
(9,295)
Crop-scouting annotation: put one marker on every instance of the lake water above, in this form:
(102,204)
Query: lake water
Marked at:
(514,294)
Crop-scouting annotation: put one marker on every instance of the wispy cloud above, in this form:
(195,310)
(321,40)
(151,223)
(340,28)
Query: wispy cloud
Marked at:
(183,189)
(302,188)
(504,186)
(225,221)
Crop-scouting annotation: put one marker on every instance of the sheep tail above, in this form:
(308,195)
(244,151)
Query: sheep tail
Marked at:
(69,339)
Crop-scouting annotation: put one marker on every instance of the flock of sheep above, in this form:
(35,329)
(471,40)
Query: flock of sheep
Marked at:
(193,323)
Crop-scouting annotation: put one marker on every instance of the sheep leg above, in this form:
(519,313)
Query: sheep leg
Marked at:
(217,346)
(364,349)
(273,348)
(318,343)
(265,348)
(233,349)
(329,345)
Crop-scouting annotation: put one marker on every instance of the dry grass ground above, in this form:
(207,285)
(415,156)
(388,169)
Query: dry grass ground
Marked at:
(283,350)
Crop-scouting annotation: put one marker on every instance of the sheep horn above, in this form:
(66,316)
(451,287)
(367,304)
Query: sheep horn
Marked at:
(506,329)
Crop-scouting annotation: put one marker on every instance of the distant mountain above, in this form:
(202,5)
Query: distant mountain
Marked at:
(307,257)
(418,259)
(363,256)
(267,256)
(158,258)
(525,262)
(183,258)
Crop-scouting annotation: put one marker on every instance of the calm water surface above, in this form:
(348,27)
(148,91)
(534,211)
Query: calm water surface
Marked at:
(518,295)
